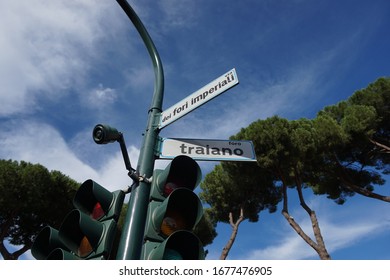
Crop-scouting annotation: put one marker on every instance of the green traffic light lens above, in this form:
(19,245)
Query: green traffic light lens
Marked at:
(170,254)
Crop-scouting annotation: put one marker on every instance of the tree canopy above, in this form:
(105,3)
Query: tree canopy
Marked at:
(238,192)
(31,198)
(355,141)
(343,151)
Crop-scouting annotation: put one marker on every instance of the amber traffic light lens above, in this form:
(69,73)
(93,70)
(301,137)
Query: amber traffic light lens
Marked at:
(173,221)
(85,247)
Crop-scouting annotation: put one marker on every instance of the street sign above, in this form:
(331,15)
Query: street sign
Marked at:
(212,150)
(199,97)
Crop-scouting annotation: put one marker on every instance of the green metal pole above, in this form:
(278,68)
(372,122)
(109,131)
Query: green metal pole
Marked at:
(131,241)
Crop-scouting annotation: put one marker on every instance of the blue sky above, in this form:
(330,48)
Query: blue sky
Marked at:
(68,65)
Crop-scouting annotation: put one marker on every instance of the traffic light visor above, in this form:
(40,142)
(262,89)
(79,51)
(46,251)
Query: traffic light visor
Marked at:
(182,172)
(80,233)
(182,245)
(60,254)
(182,210)
(45,242)
(98,202)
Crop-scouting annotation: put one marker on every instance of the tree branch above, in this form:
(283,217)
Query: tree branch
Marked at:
(385,149)
(319,247)
(302,201)
(234,225)
(299,230)
(343,175)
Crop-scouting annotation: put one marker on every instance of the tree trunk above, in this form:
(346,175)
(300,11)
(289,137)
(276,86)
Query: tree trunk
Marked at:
(3,231)
(229,244)
(318,246)
(15,255)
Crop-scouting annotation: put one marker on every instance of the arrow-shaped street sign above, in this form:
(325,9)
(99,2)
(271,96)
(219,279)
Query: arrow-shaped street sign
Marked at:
(199,97)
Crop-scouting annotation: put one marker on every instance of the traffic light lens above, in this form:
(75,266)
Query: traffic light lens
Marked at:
(169,188)
(97,211)
(173,222)
(85,247)
(168,226)
(170,254)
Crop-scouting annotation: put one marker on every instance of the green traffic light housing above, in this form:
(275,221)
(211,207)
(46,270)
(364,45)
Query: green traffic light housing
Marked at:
(87,232)
(98,202)
(182,210)
(182,172)
(46,241)
(181,245)
(173,212)
(85,237)
(61,254)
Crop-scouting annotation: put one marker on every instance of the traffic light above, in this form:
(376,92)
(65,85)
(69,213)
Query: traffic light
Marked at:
(173,211)
(87,232)
(48,246)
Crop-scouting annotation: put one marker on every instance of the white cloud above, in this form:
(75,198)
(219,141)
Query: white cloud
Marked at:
(37,142)
(140,77)
(292,247)
(178,13)
(101,97)
(113,175)
(46,48)
(40,143)
(250,101)
(340,231)
(336,237)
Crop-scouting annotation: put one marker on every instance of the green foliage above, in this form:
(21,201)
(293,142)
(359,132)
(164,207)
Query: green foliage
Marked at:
(338,153)
(343,151)
(354,156)
(272,140)
(359,120)
(205,229)
(232,186)
(31,197)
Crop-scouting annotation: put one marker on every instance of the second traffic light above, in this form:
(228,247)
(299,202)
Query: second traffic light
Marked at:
(87,232)
(174,210)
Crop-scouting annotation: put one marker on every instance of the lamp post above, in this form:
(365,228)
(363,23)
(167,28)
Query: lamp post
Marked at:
(131,241)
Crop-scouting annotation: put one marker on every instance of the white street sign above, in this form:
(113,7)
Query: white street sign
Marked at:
(202,149)
(199,97)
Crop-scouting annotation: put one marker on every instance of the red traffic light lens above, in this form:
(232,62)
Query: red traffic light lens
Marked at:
(97,211)
(169,188)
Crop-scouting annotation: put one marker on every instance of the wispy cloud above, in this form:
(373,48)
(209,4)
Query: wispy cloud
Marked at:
(46,48)
(38,142)
(62,59)
(337,237)
(101,97)
(341,227)
(255,99)
(178,13)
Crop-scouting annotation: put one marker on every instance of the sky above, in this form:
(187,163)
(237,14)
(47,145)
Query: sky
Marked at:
(66,66)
